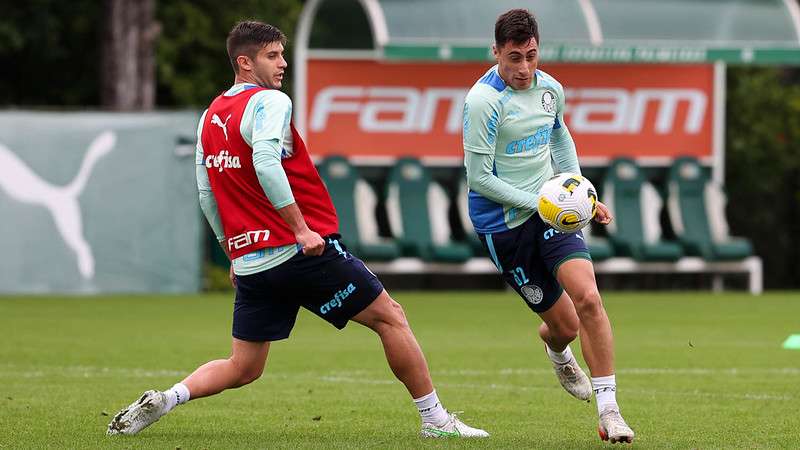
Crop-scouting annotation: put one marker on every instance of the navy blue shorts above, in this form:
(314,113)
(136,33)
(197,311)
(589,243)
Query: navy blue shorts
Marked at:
(334,285)
(529,255)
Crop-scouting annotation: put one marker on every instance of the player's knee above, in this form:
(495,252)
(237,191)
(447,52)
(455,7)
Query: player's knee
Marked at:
(252,374)
(248,376)
(395,315)
(392,316)
(588,302)
(247,373)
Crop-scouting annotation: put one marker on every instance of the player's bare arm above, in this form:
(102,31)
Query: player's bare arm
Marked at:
(310,241)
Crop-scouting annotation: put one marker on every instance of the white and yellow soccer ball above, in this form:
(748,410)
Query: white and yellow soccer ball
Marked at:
(567,202)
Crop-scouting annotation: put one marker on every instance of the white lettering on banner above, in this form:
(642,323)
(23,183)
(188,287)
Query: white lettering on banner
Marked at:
(431,98)
(406,103)
(416,108)
(628,109)
(601,110)
(247,238)
(615,104)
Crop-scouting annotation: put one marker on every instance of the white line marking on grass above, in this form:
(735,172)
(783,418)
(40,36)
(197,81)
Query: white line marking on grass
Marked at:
(339,379)
(629,371)
(367,377)
(733,371)
(91,372)
(509,387)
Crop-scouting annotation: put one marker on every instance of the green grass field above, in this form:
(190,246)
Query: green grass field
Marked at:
(695,370)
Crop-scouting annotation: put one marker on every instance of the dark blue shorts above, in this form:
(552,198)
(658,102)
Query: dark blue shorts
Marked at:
(529,255)
(334,285)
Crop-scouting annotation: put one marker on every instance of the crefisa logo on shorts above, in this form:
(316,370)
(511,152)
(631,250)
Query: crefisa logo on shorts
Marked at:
(336,301)
(532,293)
(549,233)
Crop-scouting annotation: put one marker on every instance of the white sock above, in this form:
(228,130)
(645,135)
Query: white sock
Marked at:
(559,357)
(176,395)
(605,392)
(430,409)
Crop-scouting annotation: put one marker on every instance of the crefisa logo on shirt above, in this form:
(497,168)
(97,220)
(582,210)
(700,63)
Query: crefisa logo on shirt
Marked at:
(549,101)
(223,161)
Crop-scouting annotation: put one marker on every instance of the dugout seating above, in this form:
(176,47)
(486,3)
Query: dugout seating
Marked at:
(636,206)
(355,203)
(697,213)
(636,228)
(418,212)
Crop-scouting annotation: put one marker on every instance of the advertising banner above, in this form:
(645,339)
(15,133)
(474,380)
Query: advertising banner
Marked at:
(98,202)
(367,108)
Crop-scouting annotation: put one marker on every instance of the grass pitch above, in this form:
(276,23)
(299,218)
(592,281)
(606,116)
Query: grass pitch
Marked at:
(695,370)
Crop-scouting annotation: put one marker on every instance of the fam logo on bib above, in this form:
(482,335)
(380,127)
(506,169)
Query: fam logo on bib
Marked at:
(533,294)
(549,101)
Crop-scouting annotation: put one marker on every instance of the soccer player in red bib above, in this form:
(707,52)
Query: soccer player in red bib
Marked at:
(274,218)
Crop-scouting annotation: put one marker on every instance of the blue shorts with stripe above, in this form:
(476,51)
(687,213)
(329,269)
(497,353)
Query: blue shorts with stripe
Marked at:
(334,285)
(529,256)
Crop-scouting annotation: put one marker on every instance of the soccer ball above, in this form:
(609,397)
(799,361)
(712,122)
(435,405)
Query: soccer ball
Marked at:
(567,202)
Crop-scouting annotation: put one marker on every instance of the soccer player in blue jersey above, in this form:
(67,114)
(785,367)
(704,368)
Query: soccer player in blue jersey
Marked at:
(515,139)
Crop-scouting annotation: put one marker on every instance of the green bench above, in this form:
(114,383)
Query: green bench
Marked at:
(355,203)
(697,213)
(418,211)
(636,206)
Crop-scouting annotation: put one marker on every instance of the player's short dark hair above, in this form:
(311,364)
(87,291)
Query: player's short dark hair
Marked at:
(248,37)
(517,26)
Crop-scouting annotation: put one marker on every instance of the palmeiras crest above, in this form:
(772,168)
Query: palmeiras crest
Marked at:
(533,294)
(549,101)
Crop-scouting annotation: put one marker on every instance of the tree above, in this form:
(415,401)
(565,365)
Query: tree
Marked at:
(124,54)
(49,52)
(128,62)
(191,56)
(763,166)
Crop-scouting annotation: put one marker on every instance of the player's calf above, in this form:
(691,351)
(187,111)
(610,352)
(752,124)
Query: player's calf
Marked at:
(559,334)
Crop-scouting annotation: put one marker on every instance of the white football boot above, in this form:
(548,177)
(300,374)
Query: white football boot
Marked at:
(140,414)
(452,428)
(613,427)
(573,379)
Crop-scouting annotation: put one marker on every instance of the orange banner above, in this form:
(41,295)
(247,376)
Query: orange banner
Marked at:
(369,108)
